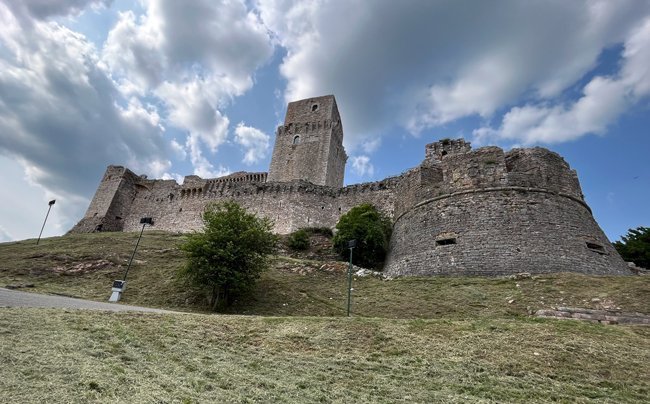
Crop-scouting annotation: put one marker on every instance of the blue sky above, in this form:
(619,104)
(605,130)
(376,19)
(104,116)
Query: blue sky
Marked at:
(172,88)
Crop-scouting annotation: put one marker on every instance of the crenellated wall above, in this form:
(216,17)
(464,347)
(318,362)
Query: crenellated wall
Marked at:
(486,212)
(291,205)
(461,211)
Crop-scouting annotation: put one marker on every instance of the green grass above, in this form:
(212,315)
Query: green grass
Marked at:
(83,356)
(51,266)
(440,339)
(298,286)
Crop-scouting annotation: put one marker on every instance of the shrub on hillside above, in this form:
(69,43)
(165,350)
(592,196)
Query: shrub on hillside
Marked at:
(299,240)
(228,256)
(370,228)
(635,246)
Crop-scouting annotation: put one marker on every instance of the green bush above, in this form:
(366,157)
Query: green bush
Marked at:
(228,256)
(635,246)
(370,228)
(299,240)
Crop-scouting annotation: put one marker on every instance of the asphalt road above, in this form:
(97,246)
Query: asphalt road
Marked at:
(14,298)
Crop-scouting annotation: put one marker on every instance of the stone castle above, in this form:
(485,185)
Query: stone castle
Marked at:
(460,212)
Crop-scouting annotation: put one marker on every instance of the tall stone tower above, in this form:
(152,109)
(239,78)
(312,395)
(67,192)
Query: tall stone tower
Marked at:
(309,146)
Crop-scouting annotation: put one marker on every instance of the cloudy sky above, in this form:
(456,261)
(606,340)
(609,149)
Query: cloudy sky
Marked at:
(171,88)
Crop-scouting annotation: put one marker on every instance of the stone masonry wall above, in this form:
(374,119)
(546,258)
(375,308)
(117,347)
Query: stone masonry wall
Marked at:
(111,203)
(499,232)
(462,211)
(309,146)
(291,205)
(486,212)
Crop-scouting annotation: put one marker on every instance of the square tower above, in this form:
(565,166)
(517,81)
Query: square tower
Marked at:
(309,146)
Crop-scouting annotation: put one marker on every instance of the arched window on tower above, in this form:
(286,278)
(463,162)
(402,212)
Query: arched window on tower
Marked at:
(296,140)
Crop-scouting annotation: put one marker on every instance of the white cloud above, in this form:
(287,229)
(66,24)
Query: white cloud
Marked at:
(26,203)
(132,52)
(158,167)
(220,41)
(603,100)
(62,118)
(173,176)
(43,9)
(178,149)
(254,141)
(424,64)
(193,57)
(5,235)
(636,68)
(202,167)
(65,106)
(484,86)
(371,145)
(362,167)
(57,103)
(191,109)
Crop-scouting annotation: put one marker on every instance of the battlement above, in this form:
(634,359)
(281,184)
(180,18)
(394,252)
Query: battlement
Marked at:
(438,150)
(312,109)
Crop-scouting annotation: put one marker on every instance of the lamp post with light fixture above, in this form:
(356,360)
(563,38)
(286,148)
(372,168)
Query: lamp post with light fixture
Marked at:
(49,206)
(119,285)
(351,245)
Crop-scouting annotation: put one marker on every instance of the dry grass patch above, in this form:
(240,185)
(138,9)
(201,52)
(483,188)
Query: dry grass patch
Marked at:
(79,356)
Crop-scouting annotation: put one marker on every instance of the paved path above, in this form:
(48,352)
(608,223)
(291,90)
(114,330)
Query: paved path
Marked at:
(14,298)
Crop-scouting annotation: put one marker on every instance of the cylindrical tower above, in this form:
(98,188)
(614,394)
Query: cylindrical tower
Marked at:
(494,213)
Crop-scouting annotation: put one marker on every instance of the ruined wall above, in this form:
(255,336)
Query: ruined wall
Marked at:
(111,202)
(309,146)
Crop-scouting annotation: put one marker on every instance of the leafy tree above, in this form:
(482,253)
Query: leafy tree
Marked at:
(370,228)
(299,240)
(635,246)
(228,256)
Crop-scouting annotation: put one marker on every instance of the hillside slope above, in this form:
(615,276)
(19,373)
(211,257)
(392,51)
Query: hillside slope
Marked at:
(82,356)
(411,340)
(308,284)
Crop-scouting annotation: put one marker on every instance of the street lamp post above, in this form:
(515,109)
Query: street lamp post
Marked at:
(351,245)
(49,206)
(120,285)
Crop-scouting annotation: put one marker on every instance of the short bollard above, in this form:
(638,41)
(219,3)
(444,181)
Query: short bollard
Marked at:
(117,289)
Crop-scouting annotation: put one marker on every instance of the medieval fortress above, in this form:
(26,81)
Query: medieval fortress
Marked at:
(460,212)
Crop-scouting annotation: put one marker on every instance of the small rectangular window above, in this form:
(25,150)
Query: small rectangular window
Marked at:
(446,241)
(596,247)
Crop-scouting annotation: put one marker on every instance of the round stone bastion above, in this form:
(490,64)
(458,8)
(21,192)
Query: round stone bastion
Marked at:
(500,231)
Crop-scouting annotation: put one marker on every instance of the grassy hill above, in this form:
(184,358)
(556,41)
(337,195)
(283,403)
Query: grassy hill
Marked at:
(443,339)
(83,356)
(85,266)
